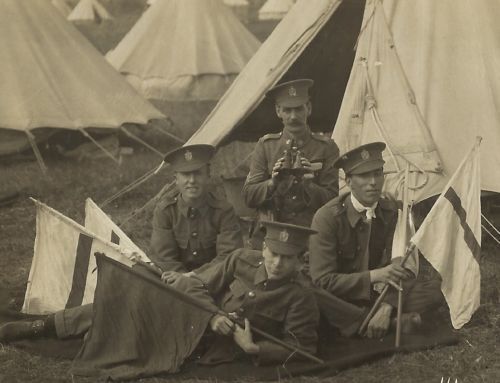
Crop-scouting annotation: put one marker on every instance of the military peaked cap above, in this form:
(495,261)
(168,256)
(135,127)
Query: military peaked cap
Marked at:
(292,93)
(285,238)
(190,157)
(363,159)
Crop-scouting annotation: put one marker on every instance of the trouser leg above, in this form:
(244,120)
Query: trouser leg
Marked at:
(73,322)
(345,316)
(418,296)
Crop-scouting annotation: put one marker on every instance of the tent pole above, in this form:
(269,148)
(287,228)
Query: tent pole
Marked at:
(405,234)
(133,136)
(107,152)
(38,155)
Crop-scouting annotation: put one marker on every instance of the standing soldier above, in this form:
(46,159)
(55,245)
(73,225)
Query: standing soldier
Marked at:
(291,173)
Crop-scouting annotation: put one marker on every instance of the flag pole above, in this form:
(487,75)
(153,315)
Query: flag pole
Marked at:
(405,234)
(194,302)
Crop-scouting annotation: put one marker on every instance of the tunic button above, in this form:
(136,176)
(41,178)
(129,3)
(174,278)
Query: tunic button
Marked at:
(251,294)
(241,310)
(288,142)
(260,263)
(194,234)
(294,197)
(195,252)
(295,181)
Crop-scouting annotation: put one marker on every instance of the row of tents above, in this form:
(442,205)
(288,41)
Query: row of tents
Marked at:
(418,75)
(52,77)
(93,10)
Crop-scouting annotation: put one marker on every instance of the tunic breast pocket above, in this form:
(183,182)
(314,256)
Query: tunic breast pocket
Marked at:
(235,296)
(182,240)
(346,259)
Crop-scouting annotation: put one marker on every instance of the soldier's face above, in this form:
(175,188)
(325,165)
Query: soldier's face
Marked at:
(193,185)
(367,187)
(294,119)
(279,266)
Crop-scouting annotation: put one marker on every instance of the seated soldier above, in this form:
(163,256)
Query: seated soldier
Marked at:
(350,255)
(263,288)
(192,229)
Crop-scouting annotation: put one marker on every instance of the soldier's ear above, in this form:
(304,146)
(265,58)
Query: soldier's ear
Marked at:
(278,110)
(309,108)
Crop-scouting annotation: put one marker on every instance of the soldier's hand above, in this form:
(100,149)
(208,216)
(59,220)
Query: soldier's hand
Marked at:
(243,338)
(170,276)
(389,274)
(189,274)
(277,167)
(222,325)
(379,324)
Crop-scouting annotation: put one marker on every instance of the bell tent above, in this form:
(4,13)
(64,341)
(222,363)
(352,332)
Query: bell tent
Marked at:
(57,81)
(184,51)
(423,81)
(275,9)
(89,11)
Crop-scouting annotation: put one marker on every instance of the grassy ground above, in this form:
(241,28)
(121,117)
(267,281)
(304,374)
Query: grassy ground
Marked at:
(475,359)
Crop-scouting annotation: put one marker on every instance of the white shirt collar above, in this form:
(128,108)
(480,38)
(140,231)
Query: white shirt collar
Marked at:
(359,207)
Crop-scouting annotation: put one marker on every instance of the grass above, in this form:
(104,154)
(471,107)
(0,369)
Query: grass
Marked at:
(69,182)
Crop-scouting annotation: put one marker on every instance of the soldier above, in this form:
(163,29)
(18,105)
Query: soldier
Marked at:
(264,288)
(192,229)
(291,173)
(351,254)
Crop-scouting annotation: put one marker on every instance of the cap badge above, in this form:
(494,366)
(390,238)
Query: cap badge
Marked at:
(188,155)
(365,155)
(292,91)
(284,236)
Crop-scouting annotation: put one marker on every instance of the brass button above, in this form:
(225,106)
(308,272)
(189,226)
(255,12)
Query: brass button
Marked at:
(288,142)
(295,181)
(194,234)
(294,197)
(195,252)
(260,263)
(241,310)
(251,294)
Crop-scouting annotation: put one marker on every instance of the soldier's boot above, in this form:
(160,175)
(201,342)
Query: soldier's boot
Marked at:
(410,323)
(19,330)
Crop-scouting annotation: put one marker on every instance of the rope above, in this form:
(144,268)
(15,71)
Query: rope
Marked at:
(130,186)
(491,234)
(133,136)
(493,226)
(168,187)
(170,135)
(106,151)
(38,155)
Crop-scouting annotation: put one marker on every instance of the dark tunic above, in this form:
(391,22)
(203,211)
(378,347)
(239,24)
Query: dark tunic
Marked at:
(189,239)
(337,252)
(284,308)
(293,201)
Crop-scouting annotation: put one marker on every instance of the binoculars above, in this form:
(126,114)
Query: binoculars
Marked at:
(292,164)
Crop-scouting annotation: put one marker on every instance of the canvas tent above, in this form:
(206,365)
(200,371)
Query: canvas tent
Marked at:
(52,77)
(455,45)
(425,81)
(184,51)
(89,11)
(62,6)
(275,9)
(240,8)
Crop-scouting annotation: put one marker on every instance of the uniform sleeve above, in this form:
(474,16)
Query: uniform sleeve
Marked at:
(300,329)
(325,186)
(219,275)
(229,237)
(256,191)
(323,261)
(164,249)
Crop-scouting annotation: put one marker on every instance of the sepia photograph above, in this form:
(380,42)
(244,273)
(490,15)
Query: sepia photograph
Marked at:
(249,191)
